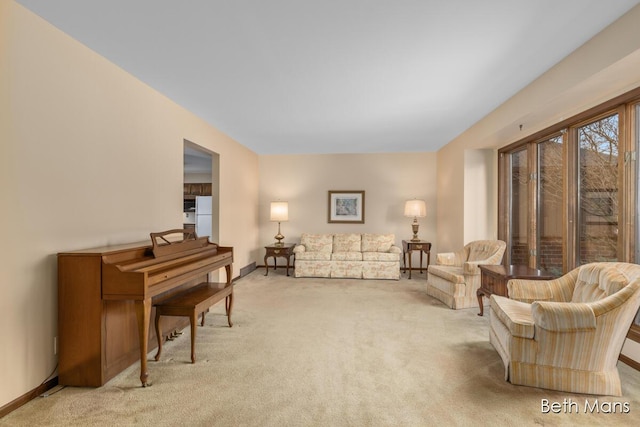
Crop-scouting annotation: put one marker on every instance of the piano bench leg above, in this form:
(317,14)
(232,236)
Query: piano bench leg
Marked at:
(228,302)
(203,313)
(192,303)
(193,320)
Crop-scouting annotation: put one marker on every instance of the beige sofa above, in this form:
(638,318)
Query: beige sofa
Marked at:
(348,255)
(566,334)
(455,277)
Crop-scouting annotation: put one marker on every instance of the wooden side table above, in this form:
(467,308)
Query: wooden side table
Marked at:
(494,278)
(274,250)
(409,246)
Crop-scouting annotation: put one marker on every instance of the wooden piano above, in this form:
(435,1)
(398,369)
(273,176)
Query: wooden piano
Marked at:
(106,295)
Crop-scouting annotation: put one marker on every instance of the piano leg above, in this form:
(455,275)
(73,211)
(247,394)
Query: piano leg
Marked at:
(228,269)
(143,313)
(228,301)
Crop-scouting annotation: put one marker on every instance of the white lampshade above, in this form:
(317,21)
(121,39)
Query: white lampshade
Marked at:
(279,211)
(415,208)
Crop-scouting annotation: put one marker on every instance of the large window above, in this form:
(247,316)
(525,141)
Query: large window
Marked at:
(598,190)
(519,213)
(569,195)
(550,217)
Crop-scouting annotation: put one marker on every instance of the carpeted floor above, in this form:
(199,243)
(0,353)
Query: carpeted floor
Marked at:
(307,352)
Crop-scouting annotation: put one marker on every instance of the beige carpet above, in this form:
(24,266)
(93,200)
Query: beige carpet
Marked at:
(307,352)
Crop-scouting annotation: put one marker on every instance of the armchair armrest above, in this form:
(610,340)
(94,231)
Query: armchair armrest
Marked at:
(395,249)
(529,290)
(299,249)
(559,290)
(563,316)
(470,268)
(615,300)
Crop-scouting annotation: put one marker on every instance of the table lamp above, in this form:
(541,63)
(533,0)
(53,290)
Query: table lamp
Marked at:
(416,209)
(279,212)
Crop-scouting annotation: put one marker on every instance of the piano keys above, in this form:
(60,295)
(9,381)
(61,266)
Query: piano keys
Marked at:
(105,299)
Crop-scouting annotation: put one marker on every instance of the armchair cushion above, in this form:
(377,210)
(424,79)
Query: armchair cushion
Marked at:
(451,274)
(482,251)
(594,284)
(446,258)
(515,315)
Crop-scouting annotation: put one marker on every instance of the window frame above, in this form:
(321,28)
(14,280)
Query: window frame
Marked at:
(627,106)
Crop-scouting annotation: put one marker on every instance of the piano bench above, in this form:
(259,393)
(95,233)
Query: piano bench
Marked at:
(191,303)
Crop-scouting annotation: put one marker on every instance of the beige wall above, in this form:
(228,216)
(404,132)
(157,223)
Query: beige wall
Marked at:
(89,156)
(387,179)
(606,66)
(480,195)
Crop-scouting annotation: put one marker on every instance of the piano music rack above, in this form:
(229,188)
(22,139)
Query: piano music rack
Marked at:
(163,246)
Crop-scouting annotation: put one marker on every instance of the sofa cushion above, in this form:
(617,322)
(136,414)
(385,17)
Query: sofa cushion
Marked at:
(312,268)
(317,242)
(313,256)
(451,274)
(377,242)
(381,270)
(346,256)
(380,256)
(346,269)
(346,242)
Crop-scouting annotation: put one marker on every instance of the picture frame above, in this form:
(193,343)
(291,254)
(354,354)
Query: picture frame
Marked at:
(346,207)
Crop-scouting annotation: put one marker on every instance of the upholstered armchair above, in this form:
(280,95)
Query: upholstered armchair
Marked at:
(567,334)
(455,277)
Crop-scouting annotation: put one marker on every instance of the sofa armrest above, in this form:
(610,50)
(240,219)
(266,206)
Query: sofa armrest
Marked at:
(395,249)
(299,249)
(446,258)
(563,316)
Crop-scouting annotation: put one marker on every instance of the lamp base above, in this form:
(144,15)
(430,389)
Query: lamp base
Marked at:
(414,228)
(279,237)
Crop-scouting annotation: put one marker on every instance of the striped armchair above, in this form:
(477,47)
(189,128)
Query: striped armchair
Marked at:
(567,334)
(455,277)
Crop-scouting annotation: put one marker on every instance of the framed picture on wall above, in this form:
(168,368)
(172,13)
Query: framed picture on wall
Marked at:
(346,207)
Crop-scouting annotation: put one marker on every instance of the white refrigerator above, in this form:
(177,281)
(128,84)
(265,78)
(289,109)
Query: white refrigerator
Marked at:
(203,216)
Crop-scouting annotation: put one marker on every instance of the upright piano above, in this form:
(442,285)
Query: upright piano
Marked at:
(106,295)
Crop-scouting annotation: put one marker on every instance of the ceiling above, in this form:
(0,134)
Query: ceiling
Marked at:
(335,76)
(196,161)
